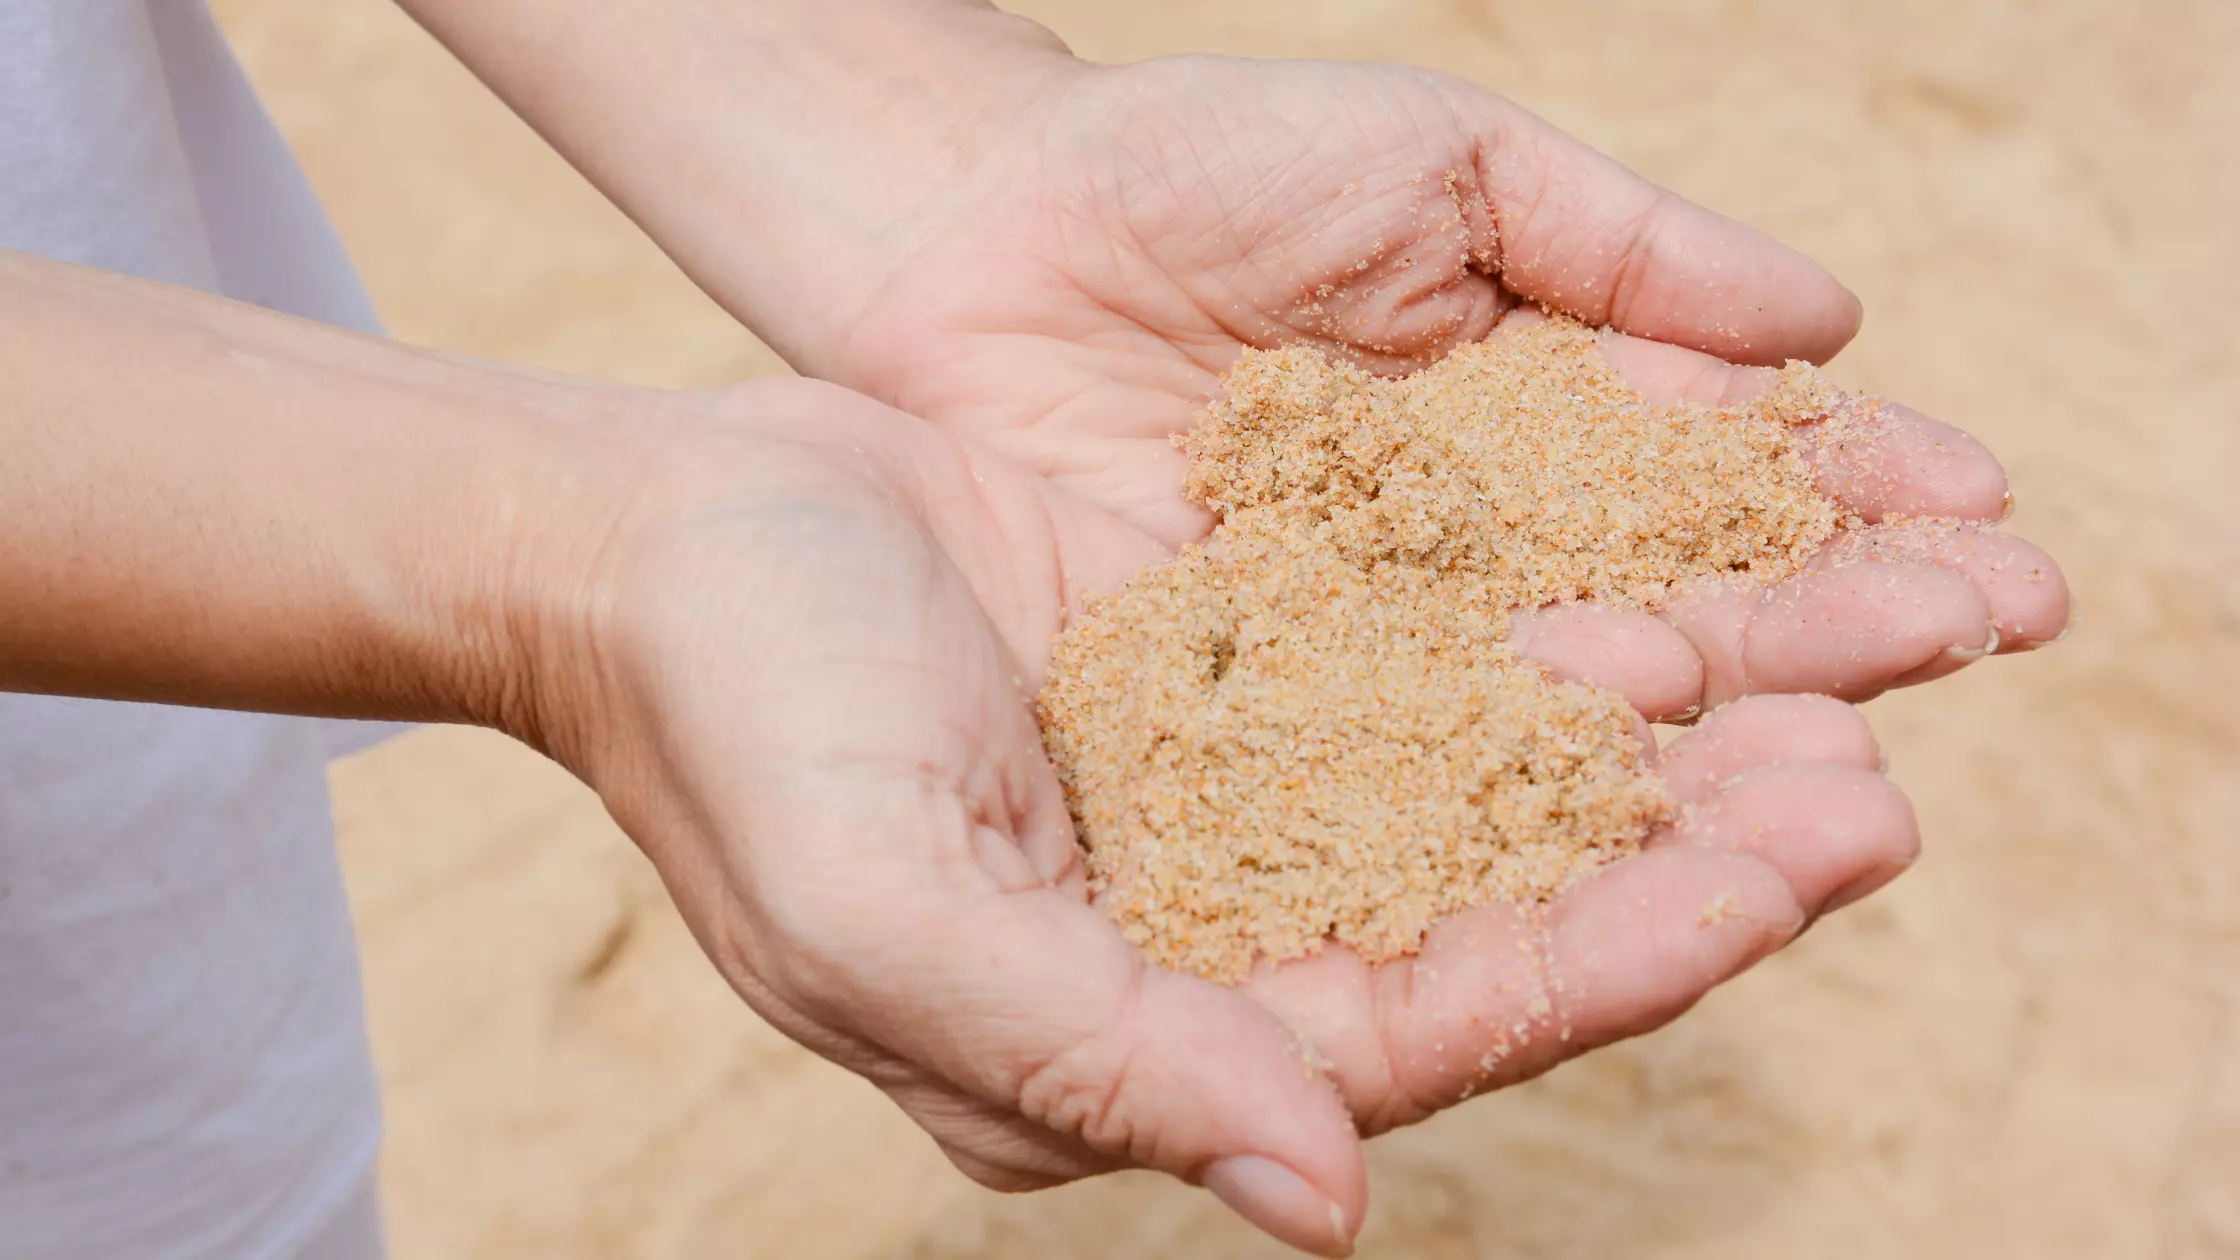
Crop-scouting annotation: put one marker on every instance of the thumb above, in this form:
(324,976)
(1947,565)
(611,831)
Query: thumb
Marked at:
(1575,230)
(1031,1002)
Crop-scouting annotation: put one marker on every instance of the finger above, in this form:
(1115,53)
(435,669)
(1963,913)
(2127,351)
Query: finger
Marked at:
(1763,731)
(1878,459)
(1924,629)
(1834,832)
(1851,631)
(1498,995)
(1031,1001)
(1575,230)
(2022,586)
(1640,657)
(1884,460)
(1636,946)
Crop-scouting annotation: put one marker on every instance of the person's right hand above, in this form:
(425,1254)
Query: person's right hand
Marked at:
(801,635)
(789,635)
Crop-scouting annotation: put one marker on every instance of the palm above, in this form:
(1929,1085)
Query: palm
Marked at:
(1161,217)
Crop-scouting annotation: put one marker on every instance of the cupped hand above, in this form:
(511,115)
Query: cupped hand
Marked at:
(1131,229)
(811,627)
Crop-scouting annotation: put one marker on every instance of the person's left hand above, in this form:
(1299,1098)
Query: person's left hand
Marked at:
(1131,229)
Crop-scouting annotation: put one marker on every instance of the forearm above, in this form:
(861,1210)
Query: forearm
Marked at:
(204,503)
(778,149)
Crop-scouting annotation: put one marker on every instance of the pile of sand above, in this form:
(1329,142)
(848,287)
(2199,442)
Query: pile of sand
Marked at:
(1310,728)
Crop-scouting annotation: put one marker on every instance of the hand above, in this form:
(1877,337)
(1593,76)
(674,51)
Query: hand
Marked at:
(1133,228)
(797,672)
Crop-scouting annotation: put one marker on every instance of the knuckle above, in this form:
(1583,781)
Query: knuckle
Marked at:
(1085,1091)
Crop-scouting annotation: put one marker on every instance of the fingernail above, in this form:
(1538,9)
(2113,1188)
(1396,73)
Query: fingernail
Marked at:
(2029,645)
(1859,889)
(1281,1202)
(1990,645)
(1772,939)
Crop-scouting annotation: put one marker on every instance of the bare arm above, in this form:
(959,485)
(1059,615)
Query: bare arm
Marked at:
(204,503)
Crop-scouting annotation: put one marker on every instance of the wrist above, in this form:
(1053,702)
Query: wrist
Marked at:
(526,614)
(781,151)
(614,527)
(268,514)
(919,109)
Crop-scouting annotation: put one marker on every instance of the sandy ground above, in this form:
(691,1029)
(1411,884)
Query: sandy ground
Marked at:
(2029,1047)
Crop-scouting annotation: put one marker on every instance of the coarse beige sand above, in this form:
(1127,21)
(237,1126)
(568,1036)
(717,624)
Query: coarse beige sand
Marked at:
(1525,462)
(2030,1046)
(1266,746)
(1311,728)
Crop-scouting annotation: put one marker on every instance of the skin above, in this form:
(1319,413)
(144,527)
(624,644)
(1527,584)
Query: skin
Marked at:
(787,631)
(1056,260)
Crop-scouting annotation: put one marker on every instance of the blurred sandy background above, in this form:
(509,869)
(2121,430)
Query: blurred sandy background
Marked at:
(2029,1047)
